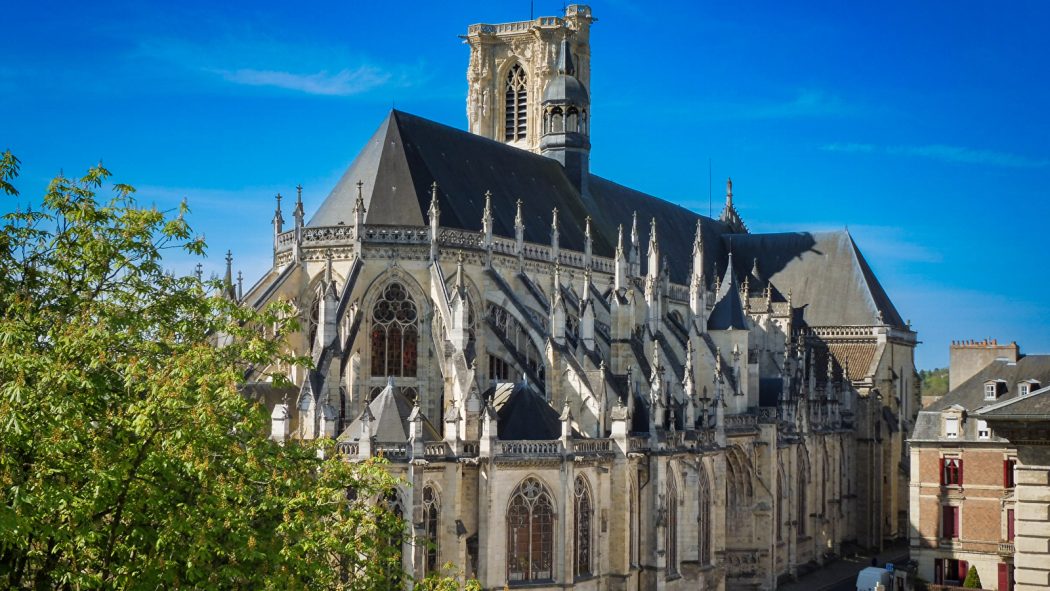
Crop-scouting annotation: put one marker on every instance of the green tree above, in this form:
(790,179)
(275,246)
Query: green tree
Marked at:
(129,457)
(973,580)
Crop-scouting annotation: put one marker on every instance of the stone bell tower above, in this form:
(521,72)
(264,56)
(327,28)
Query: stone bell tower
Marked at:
(510,66)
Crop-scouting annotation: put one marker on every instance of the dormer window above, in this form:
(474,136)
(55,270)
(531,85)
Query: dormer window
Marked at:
(989,391)
(951,427)
(983,432)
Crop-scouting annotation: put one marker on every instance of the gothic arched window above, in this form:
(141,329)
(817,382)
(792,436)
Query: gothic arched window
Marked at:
(582,527)
(396,541)
(431,509)
(803,482)
(530,533)
(516,104)
(672,525)
(395,333)
(704,520)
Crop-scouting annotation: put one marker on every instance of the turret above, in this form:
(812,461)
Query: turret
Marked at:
(566,108)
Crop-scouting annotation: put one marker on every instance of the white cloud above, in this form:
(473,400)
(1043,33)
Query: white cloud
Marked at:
(248,59)
(944,153)
(343,83)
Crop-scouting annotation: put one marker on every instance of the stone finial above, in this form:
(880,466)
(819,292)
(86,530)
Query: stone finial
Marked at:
(434,211)
(486,221)
(328,266)
(240,286)
(278,218)
(555,244)
(199,271)
(227,281)
(729,192)
(519,219)
(588,244)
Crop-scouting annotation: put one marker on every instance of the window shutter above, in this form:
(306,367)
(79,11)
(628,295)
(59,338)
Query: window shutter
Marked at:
(1006,476)
(942,471)
(1010,524)
(960,483)
(955,533)
(964,567)
(938,570)
(1004,577)
(947,522)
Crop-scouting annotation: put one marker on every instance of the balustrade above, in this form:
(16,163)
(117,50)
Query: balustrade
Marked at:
(530,448)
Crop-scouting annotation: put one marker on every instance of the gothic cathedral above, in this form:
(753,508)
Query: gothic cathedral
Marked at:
(584,385)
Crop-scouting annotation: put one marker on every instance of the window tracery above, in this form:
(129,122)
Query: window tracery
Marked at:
(704,518)
(395,333)
(516,96)
(530,533)
(672,525)
(582,527)
(431,510)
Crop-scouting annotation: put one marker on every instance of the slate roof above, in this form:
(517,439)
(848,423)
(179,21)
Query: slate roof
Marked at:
(825,272)
(728,312)
(1034,407)
(390,411)
(526,415)
(970,395)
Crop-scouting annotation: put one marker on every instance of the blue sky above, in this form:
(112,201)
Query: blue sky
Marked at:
(922,127)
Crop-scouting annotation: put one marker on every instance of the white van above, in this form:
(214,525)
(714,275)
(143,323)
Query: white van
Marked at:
(869,577)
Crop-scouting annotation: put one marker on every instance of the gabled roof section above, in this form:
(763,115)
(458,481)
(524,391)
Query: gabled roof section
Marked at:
(1034,407)
(728,312)
(825,273)
(970,394)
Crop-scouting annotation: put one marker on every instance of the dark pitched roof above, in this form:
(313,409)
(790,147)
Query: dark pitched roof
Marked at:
(407,153)
(728,312)
(970,394)
(1034,407)
(526,415)
(824,272)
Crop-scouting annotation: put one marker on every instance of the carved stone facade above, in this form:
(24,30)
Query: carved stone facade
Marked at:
(576,397)
(534,44)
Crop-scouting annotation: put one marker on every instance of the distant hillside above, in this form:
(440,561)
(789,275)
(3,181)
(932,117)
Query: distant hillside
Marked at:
(934,382)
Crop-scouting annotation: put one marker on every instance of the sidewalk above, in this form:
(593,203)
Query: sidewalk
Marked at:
(846,569)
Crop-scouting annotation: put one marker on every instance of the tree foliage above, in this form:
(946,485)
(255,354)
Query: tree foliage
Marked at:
(130,457)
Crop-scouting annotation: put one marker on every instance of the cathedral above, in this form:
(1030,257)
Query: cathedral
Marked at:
(582,385)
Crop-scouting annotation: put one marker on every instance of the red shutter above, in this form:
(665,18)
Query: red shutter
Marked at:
(964,567)
(1010,524)
(938,570)
(942,471)
(1004,577)
(960,483)
(947,522)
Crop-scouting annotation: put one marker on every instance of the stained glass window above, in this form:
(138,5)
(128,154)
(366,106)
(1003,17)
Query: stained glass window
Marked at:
(530,529)
(395,334)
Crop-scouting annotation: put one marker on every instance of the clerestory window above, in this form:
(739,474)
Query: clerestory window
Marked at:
(516,104)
